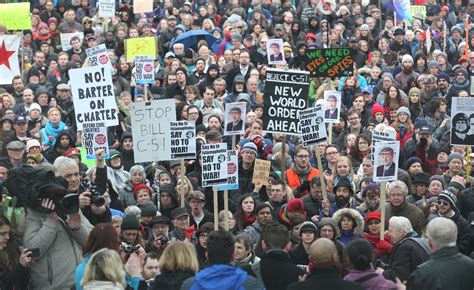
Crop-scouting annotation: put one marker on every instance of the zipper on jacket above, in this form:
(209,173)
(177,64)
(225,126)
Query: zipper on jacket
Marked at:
(50,269)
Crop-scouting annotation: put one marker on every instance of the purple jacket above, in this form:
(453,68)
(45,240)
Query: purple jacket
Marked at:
(372,283)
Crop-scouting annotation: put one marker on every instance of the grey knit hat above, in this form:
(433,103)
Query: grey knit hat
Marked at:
(404,110)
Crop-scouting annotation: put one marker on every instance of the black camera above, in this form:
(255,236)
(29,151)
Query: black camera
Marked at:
(96,197)
(128,249)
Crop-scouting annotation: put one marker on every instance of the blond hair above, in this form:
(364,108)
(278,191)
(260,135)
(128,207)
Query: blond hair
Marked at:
(104,265)
(179,256)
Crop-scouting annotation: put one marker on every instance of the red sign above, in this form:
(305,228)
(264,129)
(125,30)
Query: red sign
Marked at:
(148,68)
(231,168)
(103,59)
(100,139)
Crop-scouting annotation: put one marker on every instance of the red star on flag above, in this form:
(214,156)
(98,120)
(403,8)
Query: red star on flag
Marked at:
(5,55)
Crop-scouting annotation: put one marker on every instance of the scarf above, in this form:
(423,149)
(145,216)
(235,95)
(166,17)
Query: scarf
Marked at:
(249,219)
(49,130)
(302,173)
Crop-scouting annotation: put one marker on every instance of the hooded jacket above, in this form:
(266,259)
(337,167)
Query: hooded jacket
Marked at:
(54,152)
(128,156)
(222,276)
(358,229)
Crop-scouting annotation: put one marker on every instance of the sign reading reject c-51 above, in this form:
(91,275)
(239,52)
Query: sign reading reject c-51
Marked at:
(329,62)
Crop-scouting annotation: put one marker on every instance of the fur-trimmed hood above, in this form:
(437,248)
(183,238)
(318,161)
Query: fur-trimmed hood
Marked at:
(359,220)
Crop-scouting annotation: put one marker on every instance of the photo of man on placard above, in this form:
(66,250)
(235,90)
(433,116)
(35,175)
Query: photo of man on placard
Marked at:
(275,51)
(331,112)
(236,117)
(386,159)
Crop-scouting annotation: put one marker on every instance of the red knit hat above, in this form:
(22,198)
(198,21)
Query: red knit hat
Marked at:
(142,186)
(377,108)
(373,215)
(295,205)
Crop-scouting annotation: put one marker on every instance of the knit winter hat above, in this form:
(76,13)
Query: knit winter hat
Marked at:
(308,226)
(458,182)
(443,75)
(35,106)
(414,91)
(147,208)
(463,71)
(250,146)
(407,57)
(455,155)
(371,187)
(449,197)
(32,143)
(411,161)
(373,215)
(420,122)
(432,63)
(439,178)
(130,222)
(377,108)
(405,110)
(295,205)
(140,187)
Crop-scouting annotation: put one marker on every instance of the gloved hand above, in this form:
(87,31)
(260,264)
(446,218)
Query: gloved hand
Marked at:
(258,140)
(189,232)
(384,245)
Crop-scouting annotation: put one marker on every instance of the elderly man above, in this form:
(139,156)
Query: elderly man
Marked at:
(399,206)
(60,237)
(446,268)
(408,251)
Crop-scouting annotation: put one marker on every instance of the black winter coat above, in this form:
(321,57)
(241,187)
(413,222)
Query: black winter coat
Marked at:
(445,269)
(299,256)
(325,278)
(405,257)
(170,281)
(277,270)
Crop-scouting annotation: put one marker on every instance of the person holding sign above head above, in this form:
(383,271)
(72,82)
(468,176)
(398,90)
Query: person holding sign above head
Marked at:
(386,157)
(332,111)
(237,122)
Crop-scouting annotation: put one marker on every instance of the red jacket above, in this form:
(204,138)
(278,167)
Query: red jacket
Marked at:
(294,180)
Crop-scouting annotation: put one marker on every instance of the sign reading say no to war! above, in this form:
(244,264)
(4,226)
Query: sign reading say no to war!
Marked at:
(93,95)
(214,164)
(144,70)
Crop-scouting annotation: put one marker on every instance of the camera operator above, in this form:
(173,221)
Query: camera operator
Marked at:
(58,235)
(159,234)
(92,204)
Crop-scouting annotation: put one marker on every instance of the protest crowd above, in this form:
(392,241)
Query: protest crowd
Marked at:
(237,144)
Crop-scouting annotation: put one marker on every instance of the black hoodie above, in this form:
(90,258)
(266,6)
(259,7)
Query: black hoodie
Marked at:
(128,156)
(54,152)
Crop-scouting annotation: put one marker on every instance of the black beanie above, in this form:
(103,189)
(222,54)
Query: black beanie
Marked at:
(130,222)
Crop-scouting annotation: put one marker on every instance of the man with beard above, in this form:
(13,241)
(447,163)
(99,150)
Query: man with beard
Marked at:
(443,83)
(407,71)
(399,206)
(259,55)
(63,96)
(302,172)
(198,75)
(460,83)
(398,44)
(126,148)
(343,191)
(18,88)
(211,75)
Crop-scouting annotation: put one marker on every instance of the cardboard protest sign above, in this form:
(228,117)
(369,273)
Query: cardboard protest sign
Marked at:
(329,62)
(261,171)
(386,161)
(106,8)
(313,129)
(418,11)
(380,136)
(66,39)
(151,129)
(99,55)
(94,137)
(214,164)
(142,6)
(235,114)
(142,46)
(183,140)
(275,51)
(232,172)
(462,121)
(15,16)
(93,96)
(332,106)
(144,70)
(286,92)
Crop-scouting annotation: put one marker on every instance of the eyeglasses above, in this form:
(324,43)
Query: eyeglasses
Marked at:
(303,156)
(332,153)
(443,202)
(353,119)
(373,222)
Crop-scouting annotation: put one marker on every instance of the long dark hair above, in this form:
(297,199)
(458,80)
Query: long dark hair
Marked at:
(102,236)
(9,257)
(239,213)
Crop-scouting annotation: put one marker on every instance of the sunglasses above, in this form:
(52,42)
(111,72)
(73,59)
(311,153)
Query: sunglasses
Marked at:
(443,202)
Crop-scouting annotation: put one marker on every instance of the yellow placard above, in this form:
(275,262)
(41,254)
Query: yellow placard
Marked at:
(418,11)
(15,16)
(261,171)
(143,46)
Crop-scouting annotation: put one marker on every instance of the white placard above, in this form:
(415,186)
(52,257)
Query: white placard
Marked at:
(94,137)
(183,140)
(66,39)
(214,164)
(93,96)
(380,136)
(275,51)
(235,114)
(144,70)
(151,129)
(99,56)
(462,121)
(232,171)
(332,106)
(313,128)
(106,8)
(386,160)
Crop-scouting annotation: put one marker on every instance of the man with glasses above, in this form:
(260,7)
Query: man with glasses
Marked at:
(332,154)
(243,68)
(301,173)
(355,127)
(399,206)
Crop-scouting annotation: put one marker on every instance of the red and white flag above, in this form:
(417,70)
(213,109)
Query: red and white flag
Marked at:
(9,62)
